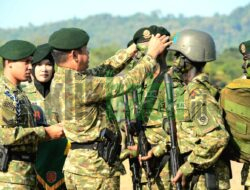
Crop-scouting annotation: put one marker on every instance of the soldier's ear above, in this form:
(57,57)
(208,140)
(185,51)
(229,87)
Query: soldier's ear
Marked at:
(75,55)
(8,63)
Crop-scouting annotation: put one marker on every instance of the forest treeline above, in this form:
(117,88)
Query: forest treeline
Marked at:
(109,33)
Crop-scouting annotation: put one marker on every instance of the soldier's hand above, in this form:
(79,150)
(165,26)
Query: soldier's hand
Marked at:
(131,50)
(179,176)
(147,157)
(157,45)
(54,131)
(126,153)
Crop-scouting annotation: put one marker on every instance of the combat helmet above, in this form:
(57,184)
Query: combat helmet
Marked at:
(197,46)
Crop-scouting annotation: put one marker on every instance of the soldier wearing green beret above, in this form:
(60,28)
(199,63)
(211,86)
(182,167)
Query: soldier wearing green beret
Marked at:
(51,154)
(201,134)
(151,102)
(83,104)
(18,136)
(235,101)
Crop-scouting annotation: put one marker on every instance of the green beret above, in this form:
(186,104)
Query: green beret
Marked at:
(245,47)
(42,51)
(17,50)
(159,30)
(144,34)
(68,39)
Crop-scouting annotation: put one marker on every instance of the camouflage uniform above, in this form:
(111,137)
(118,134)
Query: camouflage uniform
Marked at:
(235,101)
(85,114)
(201,133)
(49,167)
(20,135)
(151,96)
(152,113)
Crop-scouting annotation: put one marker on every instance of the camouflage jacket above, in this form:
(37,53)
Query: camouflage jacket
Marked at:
(201,131)
(38,100)
(17,132)
(235,101)
(51,154)
(81,100)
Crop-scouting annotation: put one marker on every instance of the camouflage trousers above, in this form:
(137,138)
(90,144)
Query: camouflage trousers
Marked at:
(11,186)
(222,173)
(245,176)
(79,182)
(162,182)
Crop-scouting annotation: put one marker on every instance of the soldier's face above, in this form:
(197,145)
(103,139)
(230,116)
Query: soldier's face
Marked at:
(20,70)
(44,71)
(83,58)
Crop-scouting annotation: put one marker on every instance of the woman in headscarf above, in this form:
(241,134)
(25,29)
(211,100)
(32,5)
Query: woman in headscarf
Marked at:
(51,154)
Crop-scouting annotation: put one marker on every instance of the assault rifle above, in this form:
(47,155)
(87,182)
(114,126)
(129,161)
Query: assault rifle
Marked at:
(133,162)
(174,151)
(143,144)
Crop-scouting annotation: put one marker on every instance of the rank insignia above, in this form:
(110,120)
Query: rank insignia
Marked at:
(146,34)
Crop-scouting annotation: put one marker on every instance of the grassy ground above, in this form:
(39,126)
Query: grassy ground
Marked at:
(126,183)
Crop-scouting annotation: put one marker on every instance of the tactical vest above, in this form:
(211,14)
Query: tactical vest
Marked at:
(235,100)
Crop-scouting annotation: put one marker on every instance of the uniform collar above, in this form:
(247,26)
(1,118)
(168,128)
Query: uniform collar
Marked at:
(11,87)
(62,72)
(29,87)
(203,77)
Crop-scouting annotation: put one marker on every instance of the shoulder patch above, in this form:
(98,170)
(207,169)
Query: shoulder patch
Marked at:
(203,119)
(193,94)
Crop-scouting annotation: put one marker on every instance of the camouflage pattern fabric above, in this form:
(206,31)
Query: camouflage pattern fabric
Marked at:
(21,136)
(81,105)
(78,182)
(201,132)
(51,155)
(152,111)
(235,101)
(11,186)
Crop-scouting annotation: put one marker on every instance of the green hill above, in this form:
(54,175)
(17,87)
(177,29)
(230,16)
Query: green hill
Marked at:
(109,33)
(104,29)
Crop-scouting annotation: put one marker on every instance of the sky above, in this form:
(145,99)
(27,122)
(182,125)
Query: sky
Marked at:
(15,13)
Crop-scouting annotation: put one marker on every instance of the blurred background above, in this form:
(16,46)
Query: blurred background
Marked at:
(112,23)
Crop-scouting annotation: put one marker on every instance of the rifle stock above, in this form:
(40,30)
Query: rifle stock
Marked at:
(174,151)
(133,162)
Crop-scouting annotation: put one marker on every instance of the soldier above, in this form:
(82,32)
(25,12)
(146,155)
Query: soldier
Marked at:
(235,101)
(201,133)
(51,154)
(151,103)
(18,136)
(83,104)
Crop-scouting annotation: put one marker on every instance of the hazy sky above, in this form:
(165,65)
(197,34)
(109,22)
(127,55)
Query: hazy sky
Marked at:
(15,13)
